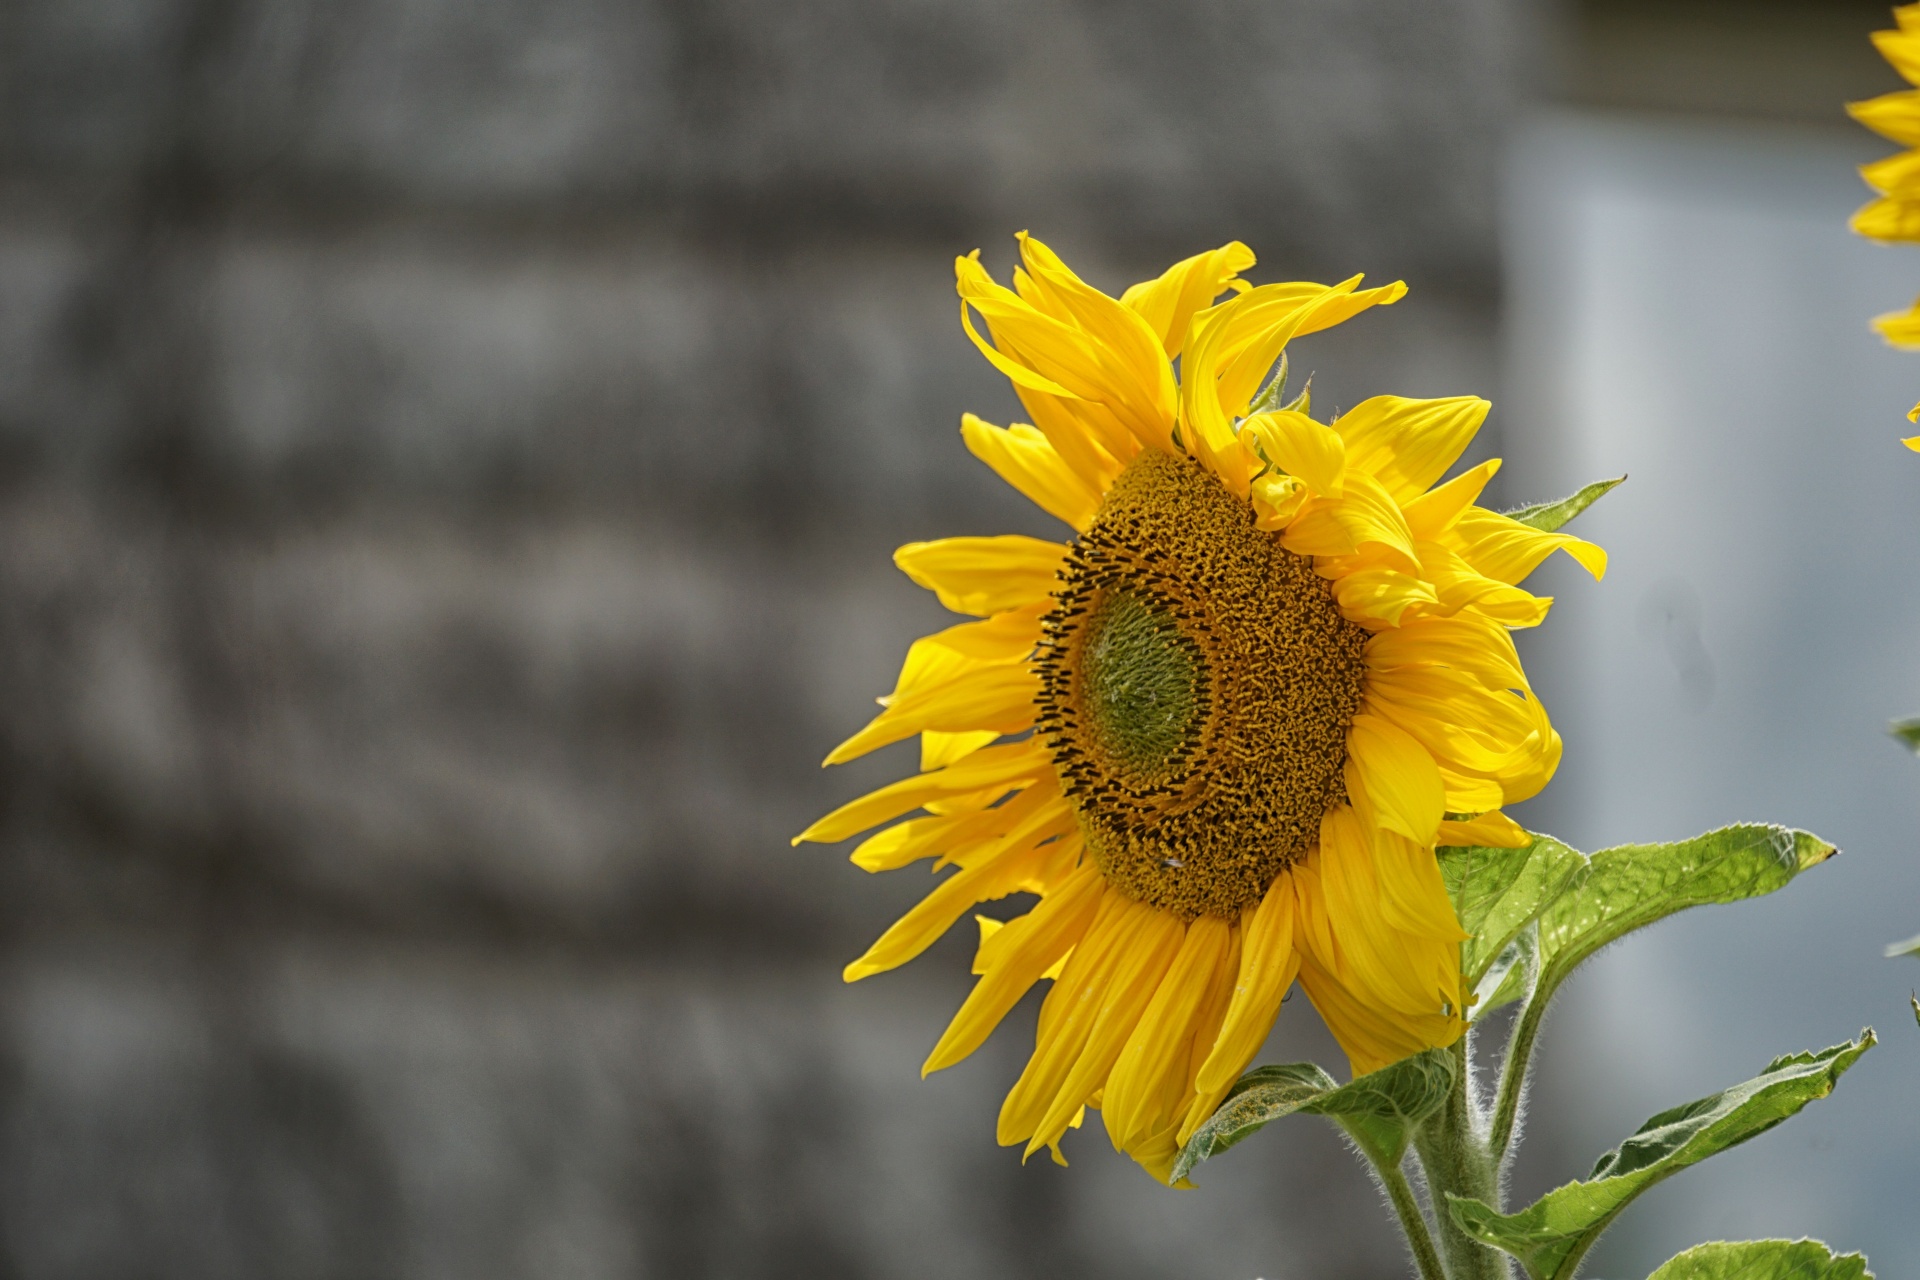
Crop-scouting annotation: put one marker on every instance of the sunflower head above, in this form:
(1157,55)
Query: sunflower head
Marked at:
(1219,732)
(1197,686)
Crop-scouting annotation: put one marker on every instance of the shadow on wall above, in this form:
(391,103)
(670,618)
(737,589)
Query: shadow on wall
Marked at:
(448,465)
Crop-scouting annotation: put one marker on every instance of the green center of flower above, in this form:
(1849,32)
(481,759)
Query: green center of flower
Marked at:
(1143,683)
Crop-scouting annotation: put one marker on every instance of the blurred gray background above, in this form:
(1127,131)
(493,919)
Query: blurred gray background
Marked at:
(449,456)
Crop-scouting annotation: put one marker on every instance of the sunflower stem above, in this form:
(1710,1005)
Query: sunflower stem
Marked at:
(1457,1161)
(1413,1222)
(1513,1078)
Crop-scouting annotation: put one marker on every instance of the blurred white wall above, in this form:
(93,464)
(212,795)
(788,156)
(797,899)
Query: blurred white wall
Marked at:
(1687,307)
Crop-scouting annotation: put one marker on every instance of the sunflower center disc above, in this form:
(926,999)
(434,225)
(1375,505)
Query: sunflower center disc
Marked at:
(1197,685)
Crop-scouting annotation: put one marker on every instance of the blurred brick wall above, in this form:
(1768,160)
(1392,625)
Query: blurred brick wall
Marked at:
(448,459)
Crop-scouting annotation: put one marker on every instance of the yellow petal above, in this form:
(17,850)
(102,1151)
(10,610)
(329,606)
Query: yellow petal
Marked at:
(1114,358)
(935,914)
(1276,500)
(908,842)
(1024,458)
(1032,947)
(1148,1084)
(1434,512)
(984,576)
(1302,447)
(1232,347)
(1206,1034)
(1507,551)
(1169,303)
(1393,780)
(1364,516)
(1409,444)
(1494,830)
(1001,638)
(1900,328)
(1380,992)
(1891,217)
(1268,962)
(938,750)
(1375,594)
(1124,998)
(991,928)
(1469,643)
(1461,588)
(1467,794)
(1371,1038)
(1004,767)
(1897,172)
(1086,435)
(998,696)
(1891,115)
(1902,50)
(1067,1014)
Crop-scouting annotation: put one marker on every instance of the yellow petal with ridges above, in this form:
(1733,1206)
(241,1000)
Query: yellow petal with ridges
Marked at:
(984,576)
(1435,511)
(1364,516)
(1066,1015)
(1299,446)
(1268,961)
(1028,949)
(1024,458)
(938,750)
(1149,1079)
(1492,830)
(1128,991)
(1169,303)
(1003,767)
(999,696)
(1408,444)
(1391,778)
(935,914)
(1507,551)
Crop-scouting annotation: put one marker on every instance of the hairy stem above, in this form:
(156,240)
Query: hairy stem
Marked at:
(1513,1078)
(1457,1161)
(1413,1223)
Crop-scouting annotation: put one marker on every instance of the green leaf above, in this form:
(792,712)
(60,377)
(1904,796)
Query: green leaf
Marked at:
(1549,516)
(1634,885)
(1911,947)
(1511,976)
(1764,1260)
(1908,731)
(1551,1235)
(1379,1110)
(1497,893)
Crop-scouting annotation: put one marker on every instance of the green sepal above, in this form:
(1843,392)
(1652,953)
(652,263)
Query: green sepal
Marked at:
(1497,893)
(1549,516)
(1379,1111)
(1551,1235)
(1634,885)
(1764,1260)
(1908,731)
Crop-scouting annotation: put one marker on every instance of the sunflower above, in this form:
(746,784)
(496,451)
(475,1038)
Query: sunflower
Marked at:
(1895,214)
(1220,732)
